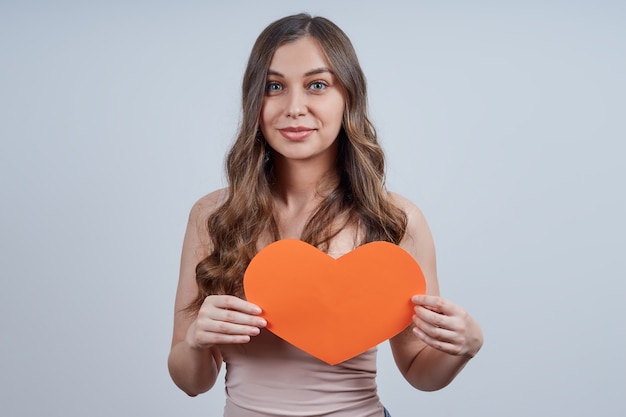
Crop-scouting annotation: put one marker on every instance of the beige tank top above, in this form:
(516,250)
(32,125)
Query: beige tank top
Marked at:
(270,377)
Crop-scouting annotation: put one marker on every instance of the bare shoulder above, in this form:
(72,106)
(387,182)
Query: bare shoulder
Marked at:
(416,221)
(206,205)
(418,240)
(197,237)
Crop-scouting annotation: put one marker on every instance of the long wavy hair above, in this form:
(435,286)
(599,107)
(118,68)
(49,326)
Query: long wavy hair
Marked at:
(359,195)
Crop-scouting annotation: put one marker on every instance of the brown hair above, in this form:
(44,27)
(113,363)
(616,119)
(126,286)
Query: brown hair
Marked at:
(359,195)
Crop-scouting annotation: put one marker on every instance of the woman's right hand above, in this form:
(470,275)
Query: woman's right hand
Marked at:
(224,319)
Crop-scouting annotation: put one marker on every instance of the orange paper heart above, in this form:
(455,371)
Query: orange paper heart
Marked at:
(334,309)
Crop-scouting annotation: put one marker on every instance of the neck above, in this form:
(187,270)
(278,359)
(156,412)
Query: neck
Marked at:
(301,184)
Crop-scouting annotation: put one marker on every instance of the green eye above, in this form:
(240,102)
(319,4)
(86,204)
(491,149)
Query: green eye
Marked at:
(318,85)
(273,86)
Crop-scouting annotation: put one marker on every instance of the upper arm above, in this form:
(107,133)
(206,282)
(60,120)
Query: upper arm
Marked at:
(418,241)
(196,245)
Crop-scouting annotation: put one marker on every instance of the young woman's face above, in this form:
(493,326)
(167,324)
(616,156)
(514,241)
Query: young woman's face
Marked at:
(303,105)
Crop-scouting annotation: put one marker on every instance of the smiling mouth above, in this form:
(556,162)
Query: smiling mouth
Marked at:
(296,133)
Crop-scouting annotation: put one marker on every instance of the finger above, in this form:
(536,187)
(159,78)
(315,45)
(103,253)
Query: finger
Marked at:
(435,332)
(434,318)
(229,322)
(207,332)
(447,347)
(235,317)
(225,328)
(435,303)
(231,302)
(210,339)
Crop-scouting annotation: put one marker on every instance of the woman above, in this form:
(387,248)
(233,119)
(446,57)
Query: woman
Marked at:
(306,165)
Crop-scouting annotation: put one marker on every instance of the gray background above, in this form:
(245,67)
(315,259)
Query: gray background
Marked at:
(504,121)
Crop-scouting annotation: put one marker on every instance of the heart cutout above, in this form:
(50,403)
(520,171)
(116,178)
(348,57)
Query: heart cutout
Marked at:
(334,309)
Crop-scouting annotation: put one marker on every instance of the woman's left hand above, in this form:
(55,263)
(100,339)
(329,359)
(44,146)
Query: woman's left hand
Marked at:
(446,326)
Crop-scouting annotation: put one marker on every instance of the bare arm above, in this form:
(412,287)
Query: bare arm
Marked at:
(443,337)
(195,359)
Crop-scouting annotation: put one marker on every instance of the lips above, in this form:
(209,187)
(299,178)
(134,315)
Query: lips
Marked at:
(296,133)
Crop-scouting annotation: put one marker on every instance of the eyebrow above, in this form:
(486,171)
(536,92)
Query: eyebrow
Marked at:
(315,71)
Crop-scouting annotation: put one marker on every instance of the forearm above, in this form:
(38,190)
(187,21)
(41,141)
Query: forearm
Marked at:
(193,370)
(433,369)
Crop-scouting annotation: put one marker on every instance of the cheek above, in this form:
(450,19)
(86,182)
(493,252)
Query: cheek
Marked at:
(268,113)
(336,106)
(337,113)
(264,117)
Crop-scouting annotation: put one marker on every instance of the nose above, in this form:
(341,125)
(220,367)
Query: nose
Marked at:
(296,104)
